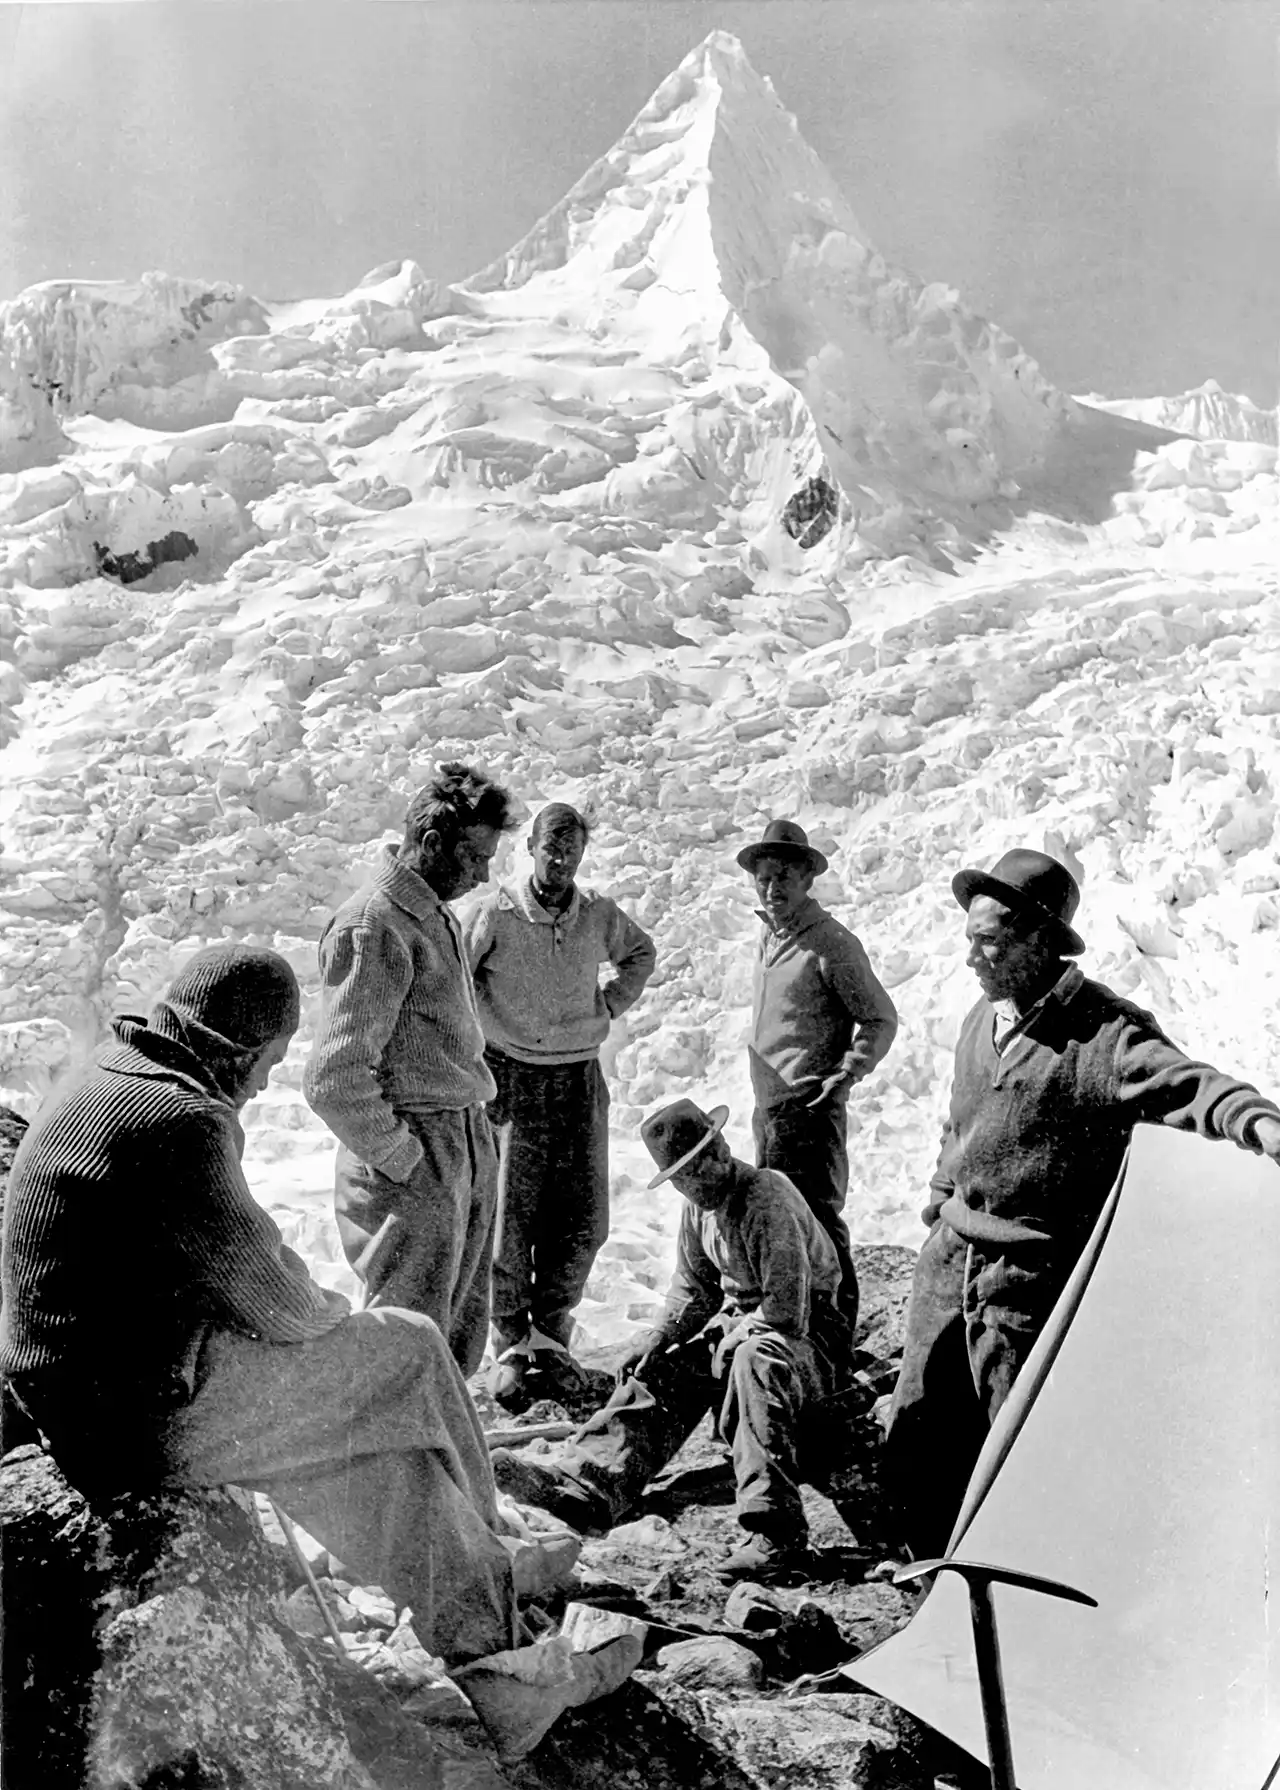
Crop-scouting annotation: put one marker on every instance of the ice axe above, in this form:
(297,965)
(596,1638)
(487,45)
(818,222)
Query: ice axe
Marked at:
(986,1643)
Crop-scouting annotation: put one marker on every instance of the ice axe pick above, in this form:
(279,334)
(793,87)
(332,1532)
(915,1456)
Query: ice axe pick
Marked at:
(986,1643)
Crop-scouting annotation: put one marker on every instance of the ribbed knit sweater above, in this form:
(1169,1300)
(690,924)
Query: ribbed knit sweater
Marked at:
(401,1031)
(129,1229)
(537,972)
(1037,1131)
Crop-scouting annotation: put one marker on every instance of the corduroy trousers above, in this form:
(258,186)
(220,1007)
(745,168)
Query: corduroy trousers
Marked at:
(426,1244)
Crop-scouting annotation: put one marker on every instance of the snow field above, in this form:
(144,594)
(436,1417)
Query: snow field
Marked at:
(536,522)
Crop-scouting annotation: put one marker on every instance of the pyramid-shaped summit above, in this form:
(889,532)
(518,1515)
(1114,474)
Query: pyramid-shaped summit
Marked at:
(711,225)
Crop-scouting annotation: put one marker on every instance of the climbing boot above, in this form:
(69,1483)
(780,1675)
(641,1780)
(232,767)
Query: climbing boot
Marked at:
(543,1485)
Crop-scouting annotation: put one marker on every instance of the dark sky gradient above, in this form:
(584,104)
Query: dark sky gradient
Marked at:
(1098,176)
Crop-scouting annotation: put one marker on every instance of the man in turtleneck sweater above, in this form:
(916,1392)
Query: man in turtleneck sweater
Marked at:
(820,1022)
(1052,1073)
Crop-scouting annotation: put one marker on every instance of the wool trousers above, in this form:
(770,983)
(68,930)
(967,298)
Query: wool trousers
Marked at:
(809,1145)
(368,1438)
(552,1128)
(971,1323)
(760,1401)
(426,1244)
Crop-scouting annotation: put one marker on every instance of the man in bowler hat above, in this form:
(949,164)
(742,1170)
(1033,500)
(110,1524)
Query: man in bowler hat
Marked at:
(820,1022)
(751,1329)
(1052,1073)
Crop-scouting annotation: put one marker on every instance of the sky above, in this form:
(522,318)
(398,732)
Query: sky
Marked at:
(1098,177)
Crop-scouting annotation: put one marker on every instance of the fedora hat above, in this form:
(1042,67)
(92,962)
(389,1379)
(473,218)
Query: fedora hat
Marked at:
(1032,882)
(784,839)
(675,1134)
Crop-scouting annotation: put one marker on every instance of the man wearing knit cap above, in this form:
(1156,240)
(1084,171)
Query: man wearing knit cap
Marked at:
(820,1023)
(128,1227)
(536,949)
(398,1070)
(1052,1073)
(158,1331)
(751,1330)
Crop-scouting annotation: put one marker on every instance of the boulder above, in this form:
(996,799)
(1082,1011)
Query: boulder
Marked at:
(818,1742)
(796,1635)
(145,1645)
(712,1662)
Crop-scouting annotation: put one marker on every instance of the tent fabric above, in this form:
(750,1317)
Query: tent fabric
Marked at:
(1138,1459)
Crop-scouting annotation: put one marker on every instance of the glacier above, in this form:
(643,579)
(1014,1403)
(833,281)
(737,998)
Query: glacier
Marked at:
(262,564)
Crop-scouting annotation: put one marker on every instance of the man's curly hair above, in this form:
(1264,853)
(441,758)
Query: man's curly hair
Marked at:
(459,796)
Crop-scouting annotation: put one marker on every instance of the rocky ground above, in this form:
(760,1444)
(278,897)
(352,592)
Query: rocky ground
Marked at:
(738,1685)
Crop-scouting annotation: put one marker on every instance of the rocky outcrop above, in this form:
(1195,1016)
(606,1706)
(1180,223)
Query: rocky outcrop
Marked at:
(169,1641)
(816,1742)
(144,1646)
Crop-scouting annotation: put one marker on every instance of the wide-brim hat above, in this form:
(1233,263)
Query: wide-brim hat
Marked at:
(783,839)
(675,1134)
(1032,882)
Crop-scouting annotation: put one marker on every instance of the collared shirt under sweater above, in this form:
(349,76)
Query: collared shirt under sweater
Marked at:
(1039,1124)
(400,1031)
(537,972)
(818,1007)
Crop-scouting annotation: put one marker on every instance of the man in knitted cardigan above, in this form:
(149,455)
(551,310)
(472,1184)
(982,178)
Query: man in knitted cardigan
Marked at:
(1052,1073)
(536,949)
(158,1331)
(398,1073)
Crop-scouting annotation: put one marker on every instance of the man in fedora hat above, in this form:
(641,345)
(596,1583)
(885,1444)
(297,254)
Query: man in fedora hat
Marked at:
(1052,1073)
(820,1022)
(751,1329)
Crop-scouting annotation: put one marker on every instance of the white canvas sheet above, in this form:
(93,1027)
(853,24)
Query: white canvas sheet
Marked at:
(1138,1460)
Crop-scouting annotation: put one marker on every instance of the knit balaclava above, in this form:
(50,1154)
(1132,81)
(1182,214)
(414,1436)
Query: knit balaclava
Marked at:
(225,1003)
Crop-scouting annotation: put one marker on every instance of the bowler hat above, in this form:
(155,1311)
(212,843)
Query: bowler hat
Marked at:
(784,839)
(1032,882)
(675,1134)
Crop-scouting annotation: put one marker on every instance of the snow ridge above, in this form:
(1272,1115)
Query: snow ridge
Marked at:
(1208,412)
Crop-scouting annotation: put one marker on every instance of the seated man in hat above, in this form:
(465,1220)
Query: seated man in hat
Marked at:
(820,1022)
(159,1333)
(1052,1073)
(751,1329)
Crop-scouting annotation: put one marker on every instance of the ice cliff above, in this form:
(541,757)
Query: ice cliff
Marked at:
(689,507)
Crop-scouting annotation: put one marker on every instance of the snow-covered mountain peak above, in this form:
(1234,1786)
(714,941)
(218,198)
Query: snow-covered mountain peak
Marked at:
(711,227)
